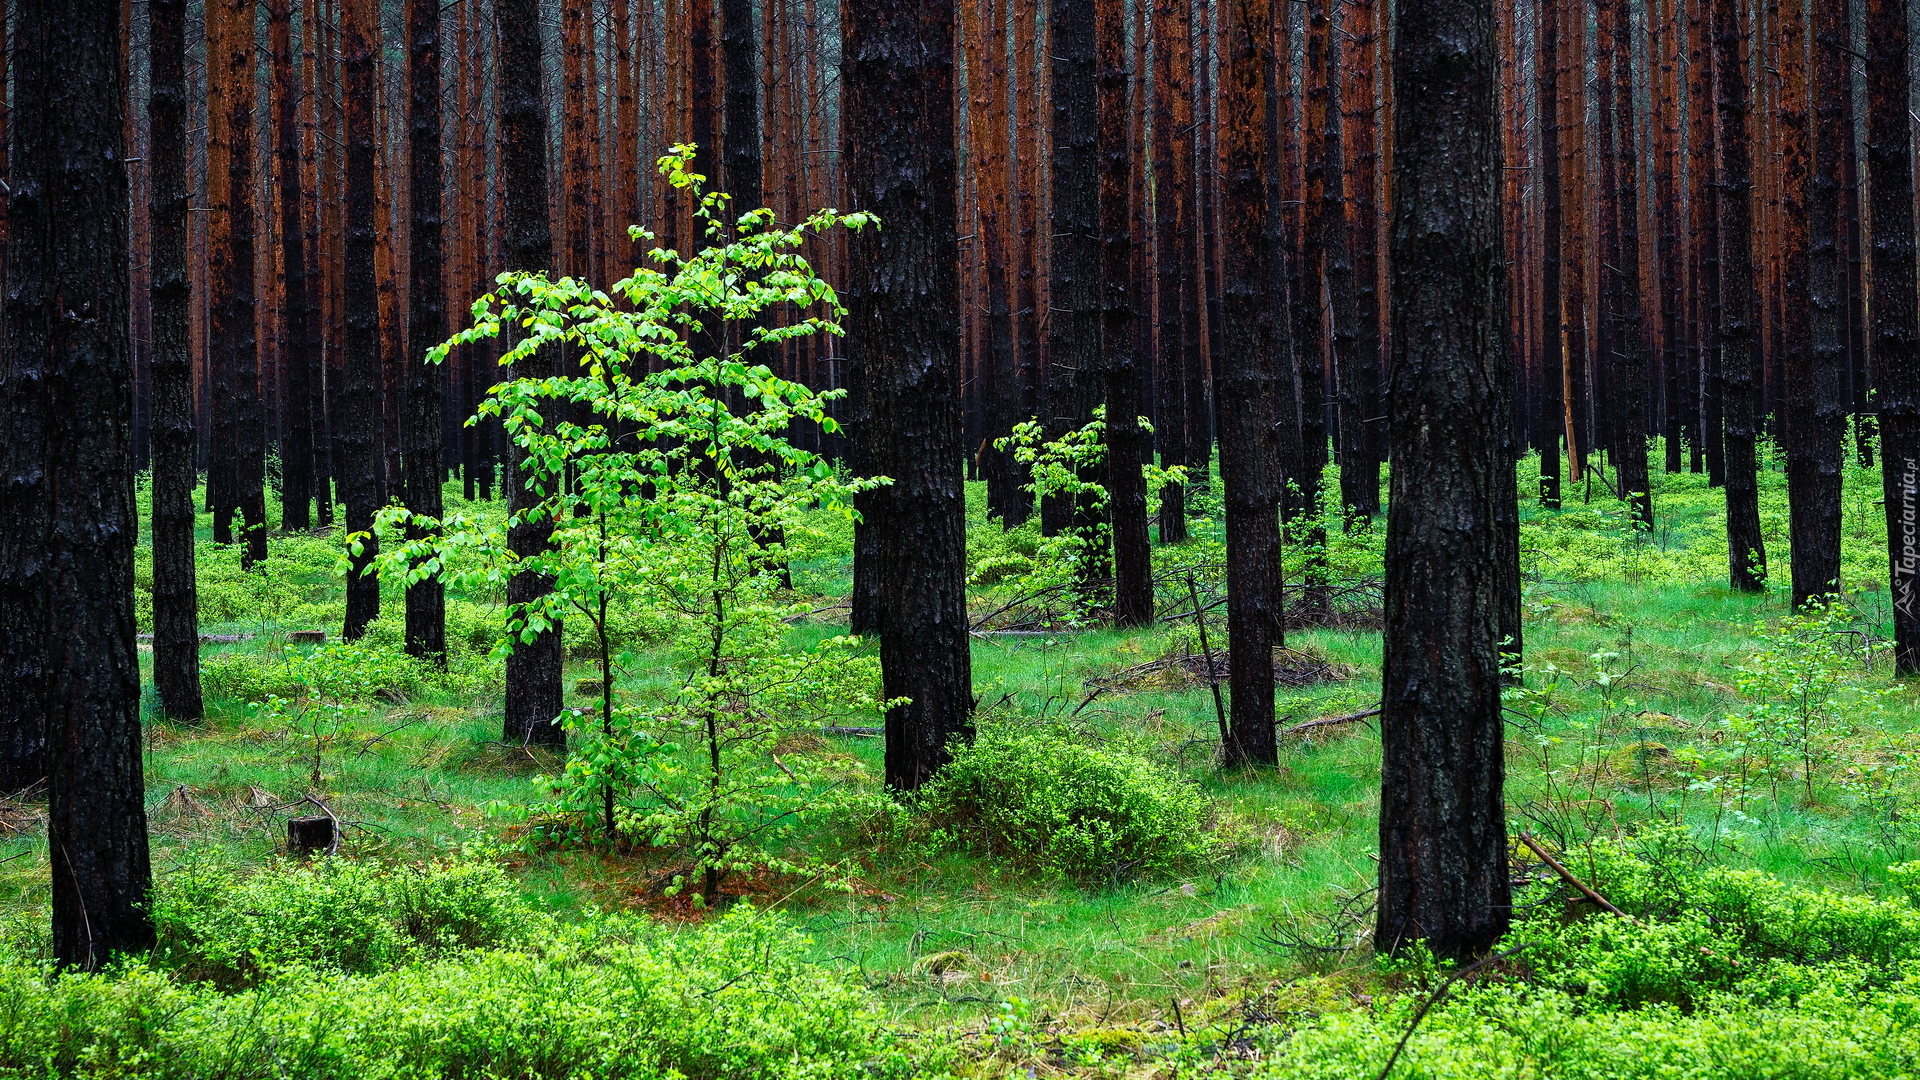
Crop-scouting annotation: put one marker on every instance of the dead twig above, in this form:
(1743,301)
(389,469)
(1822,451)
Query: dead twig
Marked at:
(1566,875)
(1327,722)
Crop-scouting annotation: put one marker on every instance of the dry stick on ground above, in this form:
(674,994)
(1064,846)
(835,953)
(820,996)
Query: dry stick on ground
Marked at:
(1213,678)
(1567,876)
(1328,721)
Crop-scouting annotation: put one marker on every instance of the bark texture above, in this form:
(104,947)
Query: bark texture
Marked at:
(68,352)
(903,305)
(1443,865)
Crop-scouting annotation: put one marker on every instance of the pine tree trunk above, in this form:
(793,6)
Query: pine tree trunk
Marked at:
(68,502)
(1172,248)
(1739,305)
(237,299)
(1550,403)
(1443,857)
(903,306)
(360,398)
(426,314)
(1074,383)
(1127,447)
(1629,353)
(299,347)
(1891,300)
(1244,383)
(176,620)
(1360,382)
(533,668)
(1814,453)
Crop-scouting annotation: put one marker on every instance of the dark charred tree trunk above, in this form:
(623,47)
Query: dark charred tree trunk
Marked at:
(1628,355)
(742,105)
(176,618)
(1739,304)
(1254,337)
(1172,249)
(299,349)
(360,409)
(426,314)
(1813,377)
(237,297)
(1360,401)
(1891,300)
(68,499)
(1127,446)
(533,668)
(1550,402)
(1443,855)
(1074,383)
(903,305)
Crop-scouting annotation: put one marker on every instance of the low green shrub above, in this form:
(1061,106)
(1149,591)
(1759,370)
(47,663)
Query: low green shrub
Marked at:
(1712,930)
(1515,1033)
(358,918)
(1046,802)
(617,999)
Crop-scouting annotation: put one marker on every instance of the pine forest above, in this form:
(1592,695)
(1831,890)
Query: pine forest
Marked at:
(1103,539)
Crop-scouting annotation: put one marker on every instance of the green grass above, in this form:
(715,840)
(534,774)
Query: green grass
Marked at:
(419,778)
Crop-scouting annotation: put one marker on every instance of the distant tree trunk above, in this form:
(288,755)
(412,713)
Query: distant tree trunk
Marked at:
(1127,446)
(903,305)
(1360,380)
(176,620)
(1443,855)
(300,349)
(1628,357)
(1550,403)
(987,116)
(360,397)
(1173,245)
(237,298)
(1739,304)
(1703,203)
(1814,454)
(1244,383)
(1074,383)
(1306,464)
(533,668)
(68,500)
(426,314)
(1891,300)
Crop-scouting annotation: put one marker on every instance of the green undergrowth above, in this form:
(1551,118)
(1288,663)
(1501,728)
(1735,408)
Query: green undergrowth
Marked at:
(1088,894)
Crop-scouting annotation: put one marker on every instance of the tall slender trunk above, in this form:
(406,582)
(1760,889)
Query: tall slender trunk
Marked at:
(1891,299)
(360,397)
(902,308)
(1443,852)
(1550,403)
(1173,246)
(1628,356)
(1739,304)
(1815,336)
(1244,382)
(299,347)
(176,619)
(1127,447)
(1074,383)
(534,667)
(68,497)
(1362,426)
(237,298)
(426,314)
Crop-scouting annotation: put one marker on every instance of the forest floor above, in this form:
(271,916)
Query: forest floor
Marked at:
(1636,654)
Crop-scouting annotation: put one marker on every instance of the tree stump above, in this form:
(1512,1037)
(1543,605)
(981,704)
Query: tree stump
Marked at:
(307,637)
(308,835)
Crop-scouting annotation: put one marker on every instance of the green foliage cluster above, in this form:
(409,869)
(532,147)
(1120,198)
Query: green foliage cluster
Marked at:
(350,917)
(1047,802)
(612,998)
